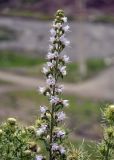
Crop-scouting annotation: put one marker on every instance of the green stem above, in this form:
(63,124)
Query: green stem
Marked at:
(107,152)
(52,114)
(52,107)
(51,132)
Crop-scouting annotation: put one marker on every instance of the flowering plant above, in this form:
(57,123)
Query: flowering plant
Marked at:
(49,126)
(21,143)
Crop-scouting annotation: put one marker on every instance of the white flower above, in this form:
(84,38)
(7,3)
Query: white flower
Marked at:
(50,47)
(61,116)
(42,89)
(50,55)
(56,54)
(66,28)
(57,25)
(59,89)
(64,19)
(54,99)
(44,127)
(55,147)
(62,150)
(62,38)
(50,64)
(64,41)
(41,130)
(66,59)
(65,103)
(43,109)
(56,46)
(51,80)
(45,70)
(67,42)
(60,133)
(52,39)
(63,70)
(39,157)
(53,32)
(47,94)
(53,61)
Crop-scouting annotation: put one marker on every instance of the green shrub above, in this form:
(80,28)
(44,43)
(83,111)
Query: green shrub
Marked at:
(17,59)
(17,142)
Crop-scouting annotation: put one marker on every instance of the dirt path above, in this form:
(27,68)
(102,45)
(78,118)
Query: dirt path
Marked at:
(100,87)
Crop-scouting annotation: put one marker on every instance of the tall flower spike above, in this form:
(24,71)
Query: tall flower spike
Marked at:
(54,69)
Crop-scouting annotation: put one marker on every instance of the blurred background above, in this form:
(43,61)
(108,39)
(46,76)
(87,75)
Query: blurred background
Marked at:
(24,40)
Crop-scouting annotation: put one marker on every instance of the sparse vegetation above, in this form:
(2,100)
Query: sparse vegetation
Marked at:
(7,34)
(33,65)
(17,59)
(84,115)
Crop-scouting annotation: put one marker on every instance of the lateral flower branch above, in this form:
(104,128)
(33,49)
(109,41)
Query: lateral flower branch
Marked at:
(49,125)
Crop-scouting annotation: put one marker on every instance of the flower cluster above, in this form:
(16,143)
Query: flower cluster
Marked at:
(106,146)
(48,126)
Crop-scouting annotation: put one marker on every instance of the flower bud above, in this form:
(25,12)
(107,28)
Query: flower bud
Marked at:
(60,13)
(1,132)
(111,108)
(33,146)
(109,113)
(48,115)
(48,137)
(58,17)
(110,132)
(11,121)
(31,129)
(23,132)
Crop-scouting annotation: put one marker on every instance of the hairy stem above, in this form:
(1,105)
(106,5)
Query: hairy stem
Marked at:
(52,119)
(51,132)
